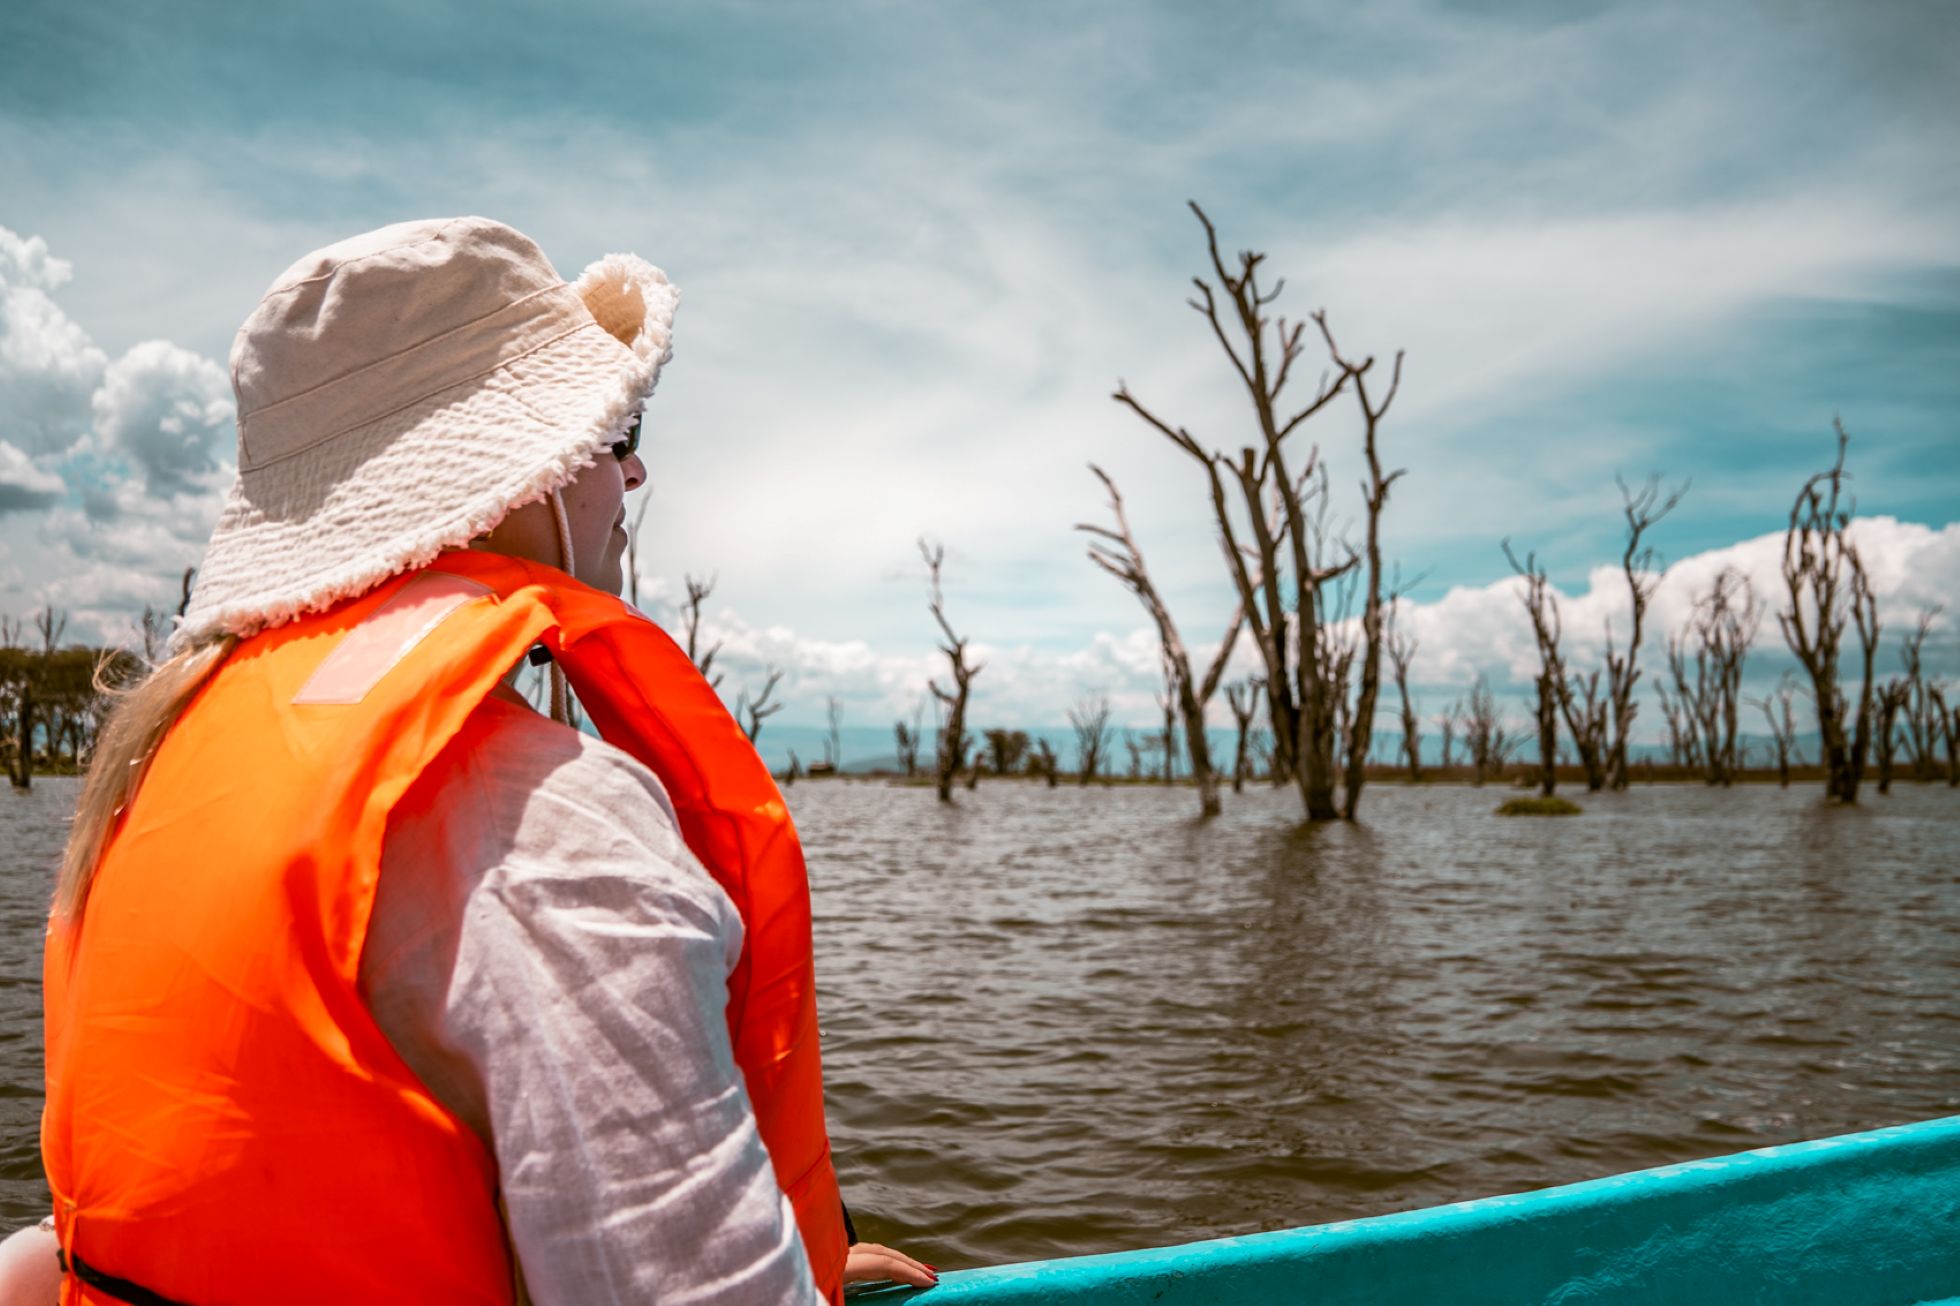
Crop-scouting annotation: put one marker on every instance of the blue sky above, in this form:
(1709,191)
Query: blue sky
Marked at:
(918,244)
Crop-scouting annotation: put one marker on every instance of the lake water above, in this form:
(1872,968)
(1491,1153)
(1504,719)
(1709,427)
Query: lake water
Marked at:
(1064,1021)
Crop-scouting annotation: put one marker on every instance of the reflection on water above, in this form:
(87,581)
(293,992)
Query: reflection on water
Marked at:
(1062,1021)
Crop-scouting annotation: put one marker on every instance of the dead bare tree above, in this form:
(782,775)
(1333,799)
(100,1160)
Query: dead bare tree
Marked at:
(953,741)
(703,659)
(908,739)
(1446,727)
(833,743)
(752,711)
(1401,646)
(28,709)
(1340,642)
(1045,761)
(52,625)
(1586,715)
(1893,696)
(16,704)
(1090,720)
(1279,575)
(1714,643)
(1948,720)
(1922,725)
(1643,571)
(1263,762)
(1117,553)
(632,555)
(1243,697)
(1547,628)
(1683,746)
(1828,588)
(154,626)
(1484,735)
(1779,711)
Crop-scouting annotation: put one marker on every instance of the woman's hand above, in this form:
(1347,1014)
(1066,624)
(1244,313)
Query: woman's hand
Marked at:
(868,1262)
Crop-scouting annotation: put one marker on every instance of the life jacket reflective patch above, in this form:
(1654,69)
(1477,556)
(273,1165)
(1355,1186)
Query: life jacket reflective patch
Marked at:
(375,647)
(224,1120)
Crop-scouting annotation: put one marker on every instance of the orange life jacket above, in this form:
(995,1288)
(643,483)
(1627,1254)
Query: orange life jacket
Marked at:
(225,1122)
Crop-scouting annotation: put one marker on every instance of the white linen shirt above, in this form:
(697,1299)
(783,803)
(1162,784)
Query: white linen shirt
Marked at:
(551,960)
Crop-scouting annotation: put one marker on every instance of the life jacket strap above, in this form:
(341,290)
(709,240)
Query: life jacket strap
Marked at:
(121,1289)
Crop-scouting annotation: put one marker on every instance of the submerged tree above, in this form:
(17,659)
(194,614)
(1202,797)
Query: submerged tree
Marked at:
(1541,605)
(1923,727)
(1167,712)
(1484,735)
(1186,696)
(952,731)
(1090,720)
(1948,721)
(908,737)
(1562,692)
(1892,698)
(1587,716)
(1280,573)
(833,743)
(752,711)
(1007,750)
(1828,589)
(1640,565)
(1243,698)
(1401,646)
(1779,711)
(1045,763)
(1683,745)
(1705,658)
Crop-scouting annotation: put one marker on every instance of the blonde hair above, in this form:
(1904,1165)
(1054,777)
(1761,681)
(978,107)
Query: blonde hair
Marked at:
(141,717)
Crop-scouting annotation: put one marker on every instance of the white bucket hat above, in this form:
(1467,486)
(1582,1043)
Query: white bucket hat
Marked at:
(400,392)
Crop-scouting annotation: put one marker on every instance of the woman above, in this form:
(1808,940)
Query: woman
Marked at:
(365,981)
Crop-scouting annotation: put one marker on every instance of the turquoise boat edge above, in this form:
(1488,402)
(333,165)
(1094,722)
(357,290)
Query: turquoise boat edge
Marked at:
(1871,1217)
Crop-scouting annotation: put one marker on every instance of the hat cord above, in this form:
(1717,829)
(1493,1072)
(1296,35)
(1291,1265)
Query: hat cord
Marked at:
(560,695)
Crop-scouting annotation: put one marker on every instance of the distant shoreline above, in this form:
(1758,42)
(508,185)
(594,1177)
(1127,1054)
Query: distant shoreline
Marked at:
(1572,779)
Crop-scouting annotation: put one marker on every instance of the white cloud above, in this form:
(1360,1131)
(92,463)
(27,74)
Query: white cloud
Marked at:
(24,484)
(48,364)
(1496,308)
(26,262)
(142,439)
(166,409)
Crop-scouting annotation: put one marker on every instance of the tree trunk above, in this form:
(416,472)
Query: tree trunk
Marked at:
(1547,735)
(23,776)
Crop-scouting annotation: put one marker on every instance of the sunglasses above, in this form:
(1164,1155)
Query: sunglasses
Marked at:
(626,448)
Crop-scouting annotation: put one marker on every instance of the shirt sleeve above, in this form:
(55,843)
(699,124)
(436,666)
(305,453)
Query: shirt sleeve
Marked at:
(551,959)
